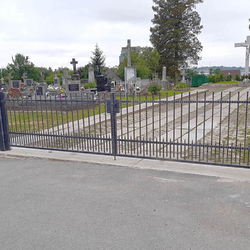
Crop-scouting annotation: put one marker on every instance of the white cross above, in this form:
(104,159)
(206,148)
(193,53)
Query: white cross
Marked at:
(247,45)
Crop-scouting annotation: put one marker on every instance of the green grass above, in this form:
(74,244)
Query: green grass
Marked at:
(21,121)
(225,82)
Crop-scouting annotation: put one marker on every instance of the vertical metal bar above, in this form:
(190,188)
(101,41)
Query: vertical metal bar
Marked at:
(167,121)
(46,111)
(174,126)
(181,123)
(189,103)
(153,117)
(212,124)
(245,132)
(228,124)
(237,125)
(231,160)
(196,124)
(92,96)
(204,122)
(185,149)
(4,125)
(160,122)
(239,156)
(140,125)
(147,122)
(28,115)
(134,120)
(114,126)
(221,99)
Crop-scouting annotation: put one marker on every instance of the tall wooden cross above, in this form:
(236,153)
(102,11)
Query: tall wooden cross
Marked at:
(246,44)
(74,62)
(42,75)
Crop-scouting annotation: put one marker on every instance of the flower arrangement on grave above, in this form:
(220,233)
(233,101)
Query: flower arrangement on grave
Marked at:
(82,89)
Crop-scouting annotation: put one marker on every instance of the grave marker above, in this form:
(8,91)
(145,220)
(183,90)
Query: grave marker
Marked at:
(245,44)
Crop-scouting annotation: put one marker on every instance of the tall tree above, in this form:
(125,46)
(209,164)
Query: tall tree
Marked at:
(97,57)
(174,33)
(21,64)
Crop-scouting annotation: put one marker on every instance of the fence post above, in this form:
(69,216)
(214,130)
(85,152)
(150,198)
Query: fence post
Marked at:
(4,125)
(113,110)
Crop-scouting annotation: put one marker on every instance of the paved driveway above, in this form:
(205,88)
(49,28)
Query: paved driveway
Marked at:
(49,204)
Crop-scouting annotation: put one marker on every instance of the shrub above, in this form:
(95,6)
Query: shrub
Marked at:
(154,89)
(89,85)
(181,85)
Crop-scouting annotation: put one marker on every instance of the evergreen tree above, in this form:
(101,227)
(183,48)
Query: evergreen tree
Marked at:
(97,57)
(174,33)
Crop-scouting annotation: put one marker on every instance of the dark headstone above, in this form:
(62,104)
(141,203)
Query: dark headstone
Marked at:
(74,87)
(39,91)
(29,82)
(16,85)
(100,83)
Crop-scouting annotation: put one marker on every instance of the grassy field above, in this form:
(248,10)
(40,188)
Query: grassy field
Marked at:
(39,120)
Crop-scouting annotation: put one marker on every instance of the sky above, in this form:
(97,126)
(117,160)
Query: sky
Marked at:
(52,32)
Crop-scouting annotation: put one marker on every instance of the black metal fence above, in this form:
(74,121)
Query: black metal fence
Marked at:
(195,126)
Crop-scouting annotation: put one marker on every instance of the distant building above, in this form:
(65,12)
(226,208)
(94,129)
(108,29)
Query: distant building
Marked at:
(231,72)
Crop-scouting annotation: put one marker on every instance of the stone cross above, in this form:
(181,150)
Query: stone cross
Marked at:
(128,52)
(2,80)
(55,73)
(74,62)
(42,75)
(10,77)
(246,44)
(24,76)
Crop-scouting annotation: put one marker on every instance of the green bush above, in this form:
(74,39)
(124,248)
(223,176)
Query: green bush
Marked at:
(154,89)
(181,85)
(89,85)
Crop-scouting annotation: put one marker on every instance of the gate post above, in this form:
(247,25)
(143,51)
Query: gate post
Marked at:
(114,108)
(4,125)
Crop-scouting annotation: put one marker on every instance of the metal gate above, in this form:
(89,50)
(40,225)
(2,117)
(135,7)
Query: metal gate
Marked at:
(196,126)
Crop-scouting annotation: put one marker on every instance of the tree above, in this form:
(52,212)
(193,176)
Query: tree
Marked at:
(20,65)
(143,69)
(217,71)
(174,34)
(97,57)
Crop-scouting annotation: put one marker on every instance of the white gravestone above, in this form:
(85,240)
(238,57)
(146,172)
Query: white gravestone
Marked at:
(91,75)
(246,44)
(130,71)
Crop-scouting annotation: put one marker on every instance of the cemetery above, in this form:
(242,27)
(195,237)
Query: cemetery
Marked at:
(200,124)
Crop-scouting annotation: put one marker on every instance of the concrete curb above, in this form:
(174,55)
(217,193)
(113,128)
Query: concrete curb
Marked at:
(226,174)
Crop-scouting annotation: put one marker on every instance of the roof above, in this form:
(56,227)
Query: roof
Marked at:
(231,72)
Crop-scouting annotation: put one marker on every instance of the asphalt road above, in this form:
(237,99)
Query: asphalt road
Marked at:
(52,205)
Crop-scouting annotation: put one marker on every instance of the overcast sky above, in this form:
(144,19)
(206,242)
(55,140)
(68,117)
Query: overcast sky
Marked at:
(52,32)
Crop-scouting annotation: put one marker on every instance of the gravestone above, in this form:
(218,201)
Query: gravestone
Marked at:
(9,78)
(16,84)
(246,44)
(91,75)
(65,79)
(56,81)
(164,82)
(130,71)
(74,86)
(41,88)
